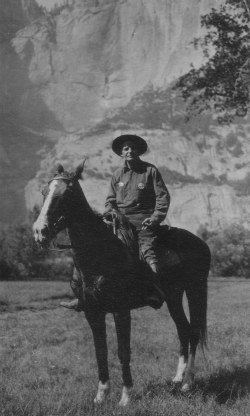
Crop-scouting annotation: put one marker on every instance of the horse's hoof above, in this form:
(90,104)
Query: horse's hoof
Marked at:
(185,388)
(102,392)
(177,380)
(188,383)
(126,397)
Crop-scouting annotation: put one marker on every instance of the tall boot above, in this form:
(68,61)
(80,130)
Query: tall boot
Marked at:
(76,284)
(157,297)
(76,304)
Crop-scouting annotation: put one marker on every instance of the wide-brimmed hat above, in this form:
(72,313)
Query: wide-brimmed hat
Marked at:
(140,143)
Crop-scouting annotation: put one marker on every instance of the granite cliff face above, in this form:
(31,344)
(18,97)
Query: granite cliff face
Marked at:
(94,56)
(86,71)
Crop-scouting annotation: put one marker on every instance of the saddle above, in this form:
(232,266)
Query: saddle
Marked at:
(126,232)
(131,290)
(116,292)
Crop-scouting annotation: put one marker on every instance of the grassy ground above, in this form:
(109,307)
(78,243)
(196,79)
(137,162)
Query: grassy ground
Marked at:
(48,364)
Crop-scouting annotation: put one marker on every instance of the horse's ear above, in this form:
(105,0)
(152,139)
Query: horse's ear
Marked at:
(79,170)
(59,169)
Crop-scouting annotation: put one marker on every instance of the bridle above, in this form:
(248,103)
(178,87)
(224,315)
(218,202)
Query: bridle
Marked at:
(54,246)
(58,225)
(46,230)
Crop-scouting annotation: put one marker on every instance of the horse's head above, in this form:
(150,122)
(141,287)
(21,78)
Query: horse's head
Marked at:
(59,196)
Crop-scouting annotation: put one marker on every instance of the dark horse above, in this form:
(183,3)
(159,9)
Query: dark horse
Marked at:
(98,253)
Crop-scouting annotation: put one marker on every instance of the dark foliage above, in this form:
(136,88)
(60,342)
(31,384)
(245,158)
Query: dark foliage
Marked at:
(21,257)
(230,249)
(221,85)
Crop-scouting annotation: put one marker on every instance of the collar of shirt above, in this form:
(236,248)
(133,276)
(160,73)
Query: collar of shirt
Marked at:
(139,166)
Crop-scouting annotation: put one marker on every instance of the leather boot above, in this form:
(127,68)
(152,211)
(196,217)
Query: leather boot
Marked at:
(157,297)
(74,304)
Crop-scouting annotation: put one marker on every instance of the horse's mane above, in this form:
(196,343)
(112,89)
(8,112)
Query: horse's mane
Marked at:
(125,231)
(94,218)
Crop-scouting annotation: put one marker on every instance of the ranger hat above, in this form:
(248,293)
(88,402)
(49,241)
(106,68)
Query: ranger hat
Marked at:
(139,142)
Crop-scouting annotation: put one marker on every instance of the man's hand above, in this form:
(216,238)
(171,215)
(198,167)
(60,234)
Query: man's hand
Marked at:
(110,215)
(148,223)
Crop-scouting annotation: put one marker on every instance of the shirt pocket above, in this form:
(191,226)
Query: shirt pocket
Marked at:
(120,186)
(139,190)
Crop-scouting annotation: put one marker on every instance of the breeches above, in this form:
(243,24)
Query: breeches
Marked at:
(147,245)
(146,239)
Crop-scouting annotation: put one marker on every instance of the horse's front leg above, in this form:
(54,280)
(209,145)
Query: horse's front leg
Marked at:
(123,330)
(96,320)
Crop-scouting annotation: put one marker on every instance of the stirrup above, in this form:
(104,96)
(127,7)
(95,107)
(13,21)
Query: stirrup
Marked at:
(159,291)
(73,304)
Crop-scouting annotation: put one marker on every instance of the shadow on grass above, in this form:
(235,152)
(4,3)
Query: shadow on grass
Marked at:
(4,305)
(33,305)
(156,388)
(224,386)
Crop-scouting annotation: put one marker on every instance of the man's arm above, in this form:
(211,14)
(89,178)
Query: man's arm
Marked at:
(162,198)
(111,198)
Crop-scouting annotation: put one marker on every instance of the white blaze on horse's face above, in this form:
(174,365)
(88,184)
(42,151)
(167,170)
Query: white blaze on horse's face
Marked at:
(57,188)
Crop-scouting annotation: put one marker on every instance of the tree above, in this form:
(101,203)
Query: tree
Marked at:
(222,84)
(19,254)
(230,249)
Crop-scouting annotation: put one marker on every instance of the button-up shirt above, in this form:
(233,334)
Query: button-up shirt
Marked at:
(139,193)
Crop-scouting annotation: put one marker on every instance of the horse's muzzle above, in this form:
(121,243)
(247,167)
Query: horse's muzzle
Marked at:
(41,235)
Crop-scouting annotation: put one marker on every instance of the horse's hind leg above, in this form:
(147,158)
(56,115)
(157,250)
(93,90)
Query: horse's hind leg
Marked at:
(123,330)
(197,302)
(175,306)
(190,367)
(96,320)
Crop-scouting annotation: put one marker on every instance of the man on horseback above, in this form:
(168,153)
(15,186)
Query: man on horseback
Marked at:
(137,191)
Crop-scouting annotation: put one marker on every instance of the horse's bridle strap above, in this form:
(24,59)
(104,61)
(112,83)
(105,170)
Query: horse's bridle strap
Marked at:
(60,247)
(56,246)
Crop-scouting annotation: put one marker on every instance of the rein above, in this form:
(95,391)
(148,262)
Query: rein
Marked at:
(59,247)
(56,246)
(63,247)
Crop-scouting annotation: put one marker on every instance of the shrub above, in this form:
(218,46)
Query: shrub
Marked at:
(230,249)
(21,257)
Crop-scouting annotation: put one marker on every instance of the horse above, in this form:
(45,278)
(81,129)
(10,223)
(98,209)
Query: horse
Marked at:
(99,253)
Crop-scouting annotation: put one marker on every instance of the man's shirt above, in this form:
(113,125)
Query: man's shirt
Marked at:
(139,192)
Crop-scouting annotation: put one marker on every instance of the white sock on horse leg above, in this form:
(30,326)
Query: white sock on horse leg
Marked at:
(182,364)
(102,392)
(126,396)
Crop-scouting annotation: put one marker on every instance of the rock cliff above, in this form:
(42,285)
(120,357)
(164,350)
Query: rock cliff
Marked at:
(93,56)
(81,73)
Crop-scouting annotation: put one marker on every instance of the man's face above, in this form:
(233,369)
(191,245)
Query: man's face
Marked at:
(129,151)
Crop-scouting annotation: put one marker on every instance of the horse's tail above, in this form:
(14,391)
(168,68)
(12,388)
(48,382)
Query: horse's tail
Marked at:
(197,293)
(202,317)
(197,301)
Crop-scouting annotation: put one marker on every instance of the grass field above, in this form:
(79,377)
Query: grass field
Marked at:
(48,363)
